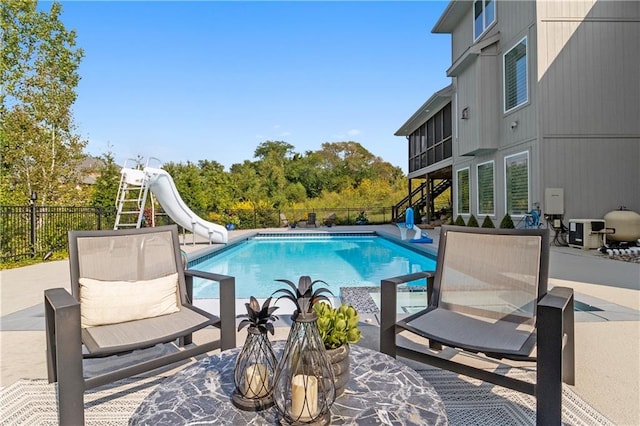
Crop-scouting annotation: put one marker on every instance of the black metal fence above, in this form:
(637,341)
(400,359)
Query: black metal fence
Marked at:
(33,231)
(273,218)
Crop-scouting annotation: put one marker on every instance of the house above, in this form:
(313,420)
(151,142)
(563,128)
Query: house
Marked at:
(544,110)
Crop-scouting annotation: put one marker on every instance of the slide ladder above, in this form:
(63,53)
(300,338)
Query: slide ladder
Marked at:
(132,196)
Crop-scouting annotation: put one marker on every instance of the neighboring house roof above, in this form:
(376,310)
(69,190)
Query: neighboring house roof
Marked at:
(89,169)
(426,111)
(451,16)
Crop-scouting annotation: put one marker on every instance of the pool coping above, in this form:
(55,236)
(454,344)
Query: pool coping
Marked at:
(198,256)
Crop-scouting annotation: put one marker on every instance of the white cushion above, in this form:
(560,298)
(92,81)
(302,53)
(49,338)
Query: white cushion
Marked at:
(111,302)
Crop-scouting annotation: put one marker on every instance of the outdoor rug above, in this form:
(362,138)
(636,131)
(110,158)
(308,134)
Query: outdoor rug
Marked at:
(467,401)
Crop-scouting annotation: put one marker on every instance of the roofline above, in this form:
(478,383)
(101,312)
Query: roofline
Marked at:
(425,111)
(451,16)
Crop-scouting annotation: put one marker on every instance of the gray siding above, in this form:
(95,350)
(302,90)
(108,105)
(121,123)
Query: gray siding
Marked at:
(462,36)
(589,84)
(597,175)
(488,97)
(467,129)
(590,70)
(514,19)
(479,90)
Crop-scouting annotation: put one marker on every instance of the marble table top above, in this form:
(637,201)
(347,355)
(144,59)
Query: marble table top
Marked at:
(381,391)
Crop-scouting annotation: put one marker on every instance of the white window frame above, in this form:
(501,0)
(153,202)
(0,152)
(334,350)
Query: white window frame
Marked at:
(458,212)
(493,188)
(506,207)
(526,78)
(485,25)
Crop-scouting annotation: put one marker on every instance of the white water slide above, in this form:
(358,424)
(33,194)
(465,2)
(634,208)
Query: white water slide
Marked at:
(161,184)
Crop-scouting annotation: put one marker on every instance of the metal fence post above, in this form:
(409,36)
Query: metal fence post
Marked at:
(32,214)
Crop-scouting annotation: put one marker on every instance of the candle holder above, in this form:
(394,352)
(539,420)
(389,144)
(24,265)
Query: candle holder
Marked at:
(255,368)
(304,389)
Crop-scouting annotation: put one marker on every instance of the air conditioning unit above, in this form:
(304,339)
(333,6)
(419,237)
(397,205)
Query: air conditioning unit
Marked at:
(584,233)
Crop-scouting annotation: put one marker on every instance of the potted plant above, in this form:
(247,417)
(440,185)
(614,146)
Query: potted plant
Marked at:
(338,327)
(232,221)
(362,218)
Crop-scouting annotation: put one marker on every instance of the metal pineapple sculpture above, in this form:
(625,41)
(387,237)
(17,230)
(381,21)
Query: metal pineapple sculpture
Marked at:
(255,370)
(304,390)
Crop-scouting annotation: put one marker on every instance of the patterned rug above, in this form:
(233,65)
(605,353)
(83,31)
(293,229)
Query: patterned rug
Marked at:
(473,402)
(468,402)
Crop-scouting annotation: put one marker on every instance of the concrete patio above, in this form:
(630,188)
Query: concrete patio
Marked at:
(607,323)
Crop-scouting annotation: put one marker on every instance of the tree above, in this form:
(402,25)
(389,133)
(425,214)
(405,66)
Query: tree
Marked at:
(306,170)
(348,164)
(273,159)
(38,67)
(105,189)
(246,183)
(218,189)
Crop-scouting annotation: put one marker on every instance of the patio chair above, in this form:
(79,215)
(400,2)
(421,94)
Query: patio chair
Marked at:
(284,222)
(330,220)
(489,295)
(311,220)
(129,291)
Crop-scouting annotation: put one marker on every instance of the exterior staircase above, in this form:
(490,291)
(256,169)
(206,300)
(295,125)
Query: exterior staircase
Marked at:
(420,198)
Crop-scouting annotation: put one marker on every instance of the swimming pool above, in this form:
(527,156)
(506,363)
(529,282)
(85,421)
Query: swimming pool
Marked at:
(340,261)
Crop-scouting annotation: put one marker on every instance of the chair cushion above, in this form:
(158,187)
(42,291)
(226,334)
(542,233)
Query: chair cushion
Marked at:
(114,338)
(112,302)
(474,333)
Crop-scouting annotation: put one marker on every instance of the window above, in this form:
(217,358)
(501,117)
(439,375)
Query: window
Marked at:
(516,90)
(516,182)
(485,188)
(484,14)
(463,191)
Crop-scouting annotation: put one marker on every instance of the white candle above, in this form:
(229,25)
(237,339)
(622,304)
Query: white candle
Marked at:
(304,397)
(256,379)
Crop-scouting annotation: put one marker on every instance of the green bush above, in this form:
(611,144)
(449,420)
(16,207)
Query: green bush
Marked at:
(487,222)
(473,222)
(506,222)
(459,221)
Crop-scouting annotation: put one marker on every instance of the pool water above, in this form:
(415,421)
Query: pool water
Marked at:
(354,261)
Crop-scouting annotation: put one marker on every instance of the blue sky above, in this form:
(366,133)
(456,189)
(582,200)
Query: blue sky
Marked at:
(187,81)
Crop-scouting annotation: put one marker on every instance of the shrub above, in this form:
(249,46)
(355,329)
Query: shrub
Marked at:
(473,222)
(459,221)
(506,222)
(487,222)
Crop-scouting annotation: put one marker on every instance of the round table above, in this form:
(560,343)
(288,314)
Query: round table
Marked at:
(381,390)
